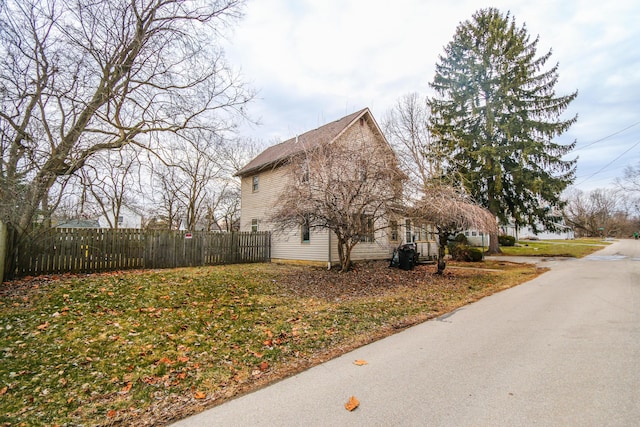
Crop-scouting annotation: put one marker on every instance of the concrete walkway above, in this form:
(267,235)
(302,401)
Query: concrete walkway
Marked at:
(562,349)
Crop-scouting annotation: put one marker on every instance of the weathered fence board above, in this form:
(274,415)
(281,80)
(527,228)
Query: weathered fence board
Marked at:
(82,250)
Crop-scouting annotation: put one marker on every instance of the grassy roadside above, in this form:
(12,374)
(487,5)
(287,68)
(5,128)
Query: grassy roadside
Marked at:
(560,248)
(148,347)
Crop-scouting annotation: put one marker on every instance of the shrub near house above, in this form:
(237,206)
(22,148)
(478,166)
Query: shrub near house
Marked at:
(505,240)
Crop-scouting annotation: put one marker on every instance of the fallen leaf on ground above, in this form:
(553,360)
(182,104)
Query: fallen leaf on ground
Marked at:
(360,362)
(352,404)
(43,326)
(199,395)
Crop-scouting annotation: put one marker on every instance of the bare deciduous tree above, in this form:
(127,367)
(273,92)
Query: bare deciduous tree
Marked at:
(406,127)
(80,77)
(347,188)
(451,211)
(600,213)
(111,179)
(630,181)
(168,212)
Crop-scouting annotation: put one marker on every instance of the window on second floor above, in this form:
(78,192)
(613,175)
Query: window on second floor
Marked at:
(255,183)
(305,172)
(305,230)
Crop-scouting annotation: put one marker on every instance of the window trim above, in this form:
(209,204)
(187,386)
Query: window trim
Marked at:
(255,183)
(255,223)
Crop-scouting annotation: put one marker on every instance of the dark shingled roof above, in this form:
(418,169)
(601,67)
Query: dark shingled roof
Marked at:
(279,152)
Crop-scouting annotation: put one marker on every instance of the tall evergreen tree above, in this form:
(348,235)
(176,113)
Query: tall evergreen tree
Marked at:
(495,116)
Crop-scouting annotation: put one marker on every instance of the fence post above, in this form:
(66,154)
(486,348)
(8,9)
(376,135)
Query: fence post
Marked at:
(3,248)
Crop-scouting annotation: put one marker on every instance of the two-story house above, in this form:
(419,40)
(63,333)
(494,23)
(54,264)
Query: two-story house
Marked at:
(266,176)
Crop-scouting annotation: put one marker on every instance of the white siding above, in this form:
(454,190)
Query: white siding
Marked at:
(130,219)
(257,205)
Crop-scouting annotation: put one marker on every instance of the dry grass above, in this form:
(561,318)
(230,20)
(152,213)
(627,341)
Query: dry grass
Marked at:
(148,347)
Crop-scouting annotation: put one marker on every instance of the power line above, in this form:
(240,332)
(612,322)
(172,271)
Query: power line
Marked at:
(610,163)
(607,137)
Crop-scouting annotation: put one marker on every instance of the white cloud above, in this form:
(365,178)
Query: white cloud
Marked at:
(314,61)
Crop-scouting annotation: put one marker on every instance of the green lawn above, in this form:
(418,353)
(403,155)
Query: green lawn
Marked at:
(147,347)
(564,248)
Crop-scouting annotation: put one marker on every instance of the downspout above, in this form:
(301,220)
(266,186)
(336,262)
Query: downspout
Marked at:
(329,260)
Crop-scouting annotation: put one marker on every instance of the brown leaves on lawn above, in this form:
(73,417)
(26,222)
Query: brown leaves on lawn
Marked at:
(366,279)
(43,326)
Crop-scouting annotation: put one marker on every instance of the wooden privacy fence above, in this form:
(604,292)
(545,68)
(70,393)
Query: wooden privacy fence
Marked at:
(83,250)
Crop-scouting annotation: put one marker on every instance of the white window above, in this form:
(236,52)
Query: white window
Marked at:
(255,184)
(254,225)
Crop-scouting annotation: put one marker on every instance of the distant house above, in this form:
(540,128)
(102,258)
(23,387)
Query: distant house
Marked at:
(524,233)
(264,177)
(127,218)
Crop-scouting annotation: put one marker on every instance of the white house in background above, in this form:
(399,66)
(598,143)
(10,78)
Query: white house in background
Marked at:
(526,233)
(264,177)
(127,218)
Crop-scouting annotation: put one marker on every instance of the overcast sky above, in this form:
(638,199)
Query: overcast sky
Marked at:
(314,61)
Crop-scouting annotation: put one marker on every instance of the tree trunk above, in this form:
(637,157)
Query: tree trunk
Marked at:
(442,247)
(494,247)
(344,253)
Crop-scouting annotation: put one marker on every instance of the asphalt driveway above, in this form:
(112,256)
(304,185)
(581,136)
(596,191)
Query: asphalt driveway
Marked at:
(563,349)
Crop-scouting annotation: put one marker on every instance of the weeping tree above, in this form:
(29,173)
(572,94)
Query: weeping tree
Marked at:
(450,211)
(81,77)
(494,119)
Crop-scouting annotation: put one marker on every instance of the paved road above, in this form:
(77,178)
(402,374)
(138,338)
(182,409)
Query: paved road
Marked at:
(561,350)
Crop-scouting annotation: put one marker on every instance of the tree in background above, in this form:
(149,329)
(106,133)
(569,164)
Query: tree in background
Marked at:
(111,184)
(601,213)
(406,128)
(193,184)
(630,181)
(81,77)
(494,118)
